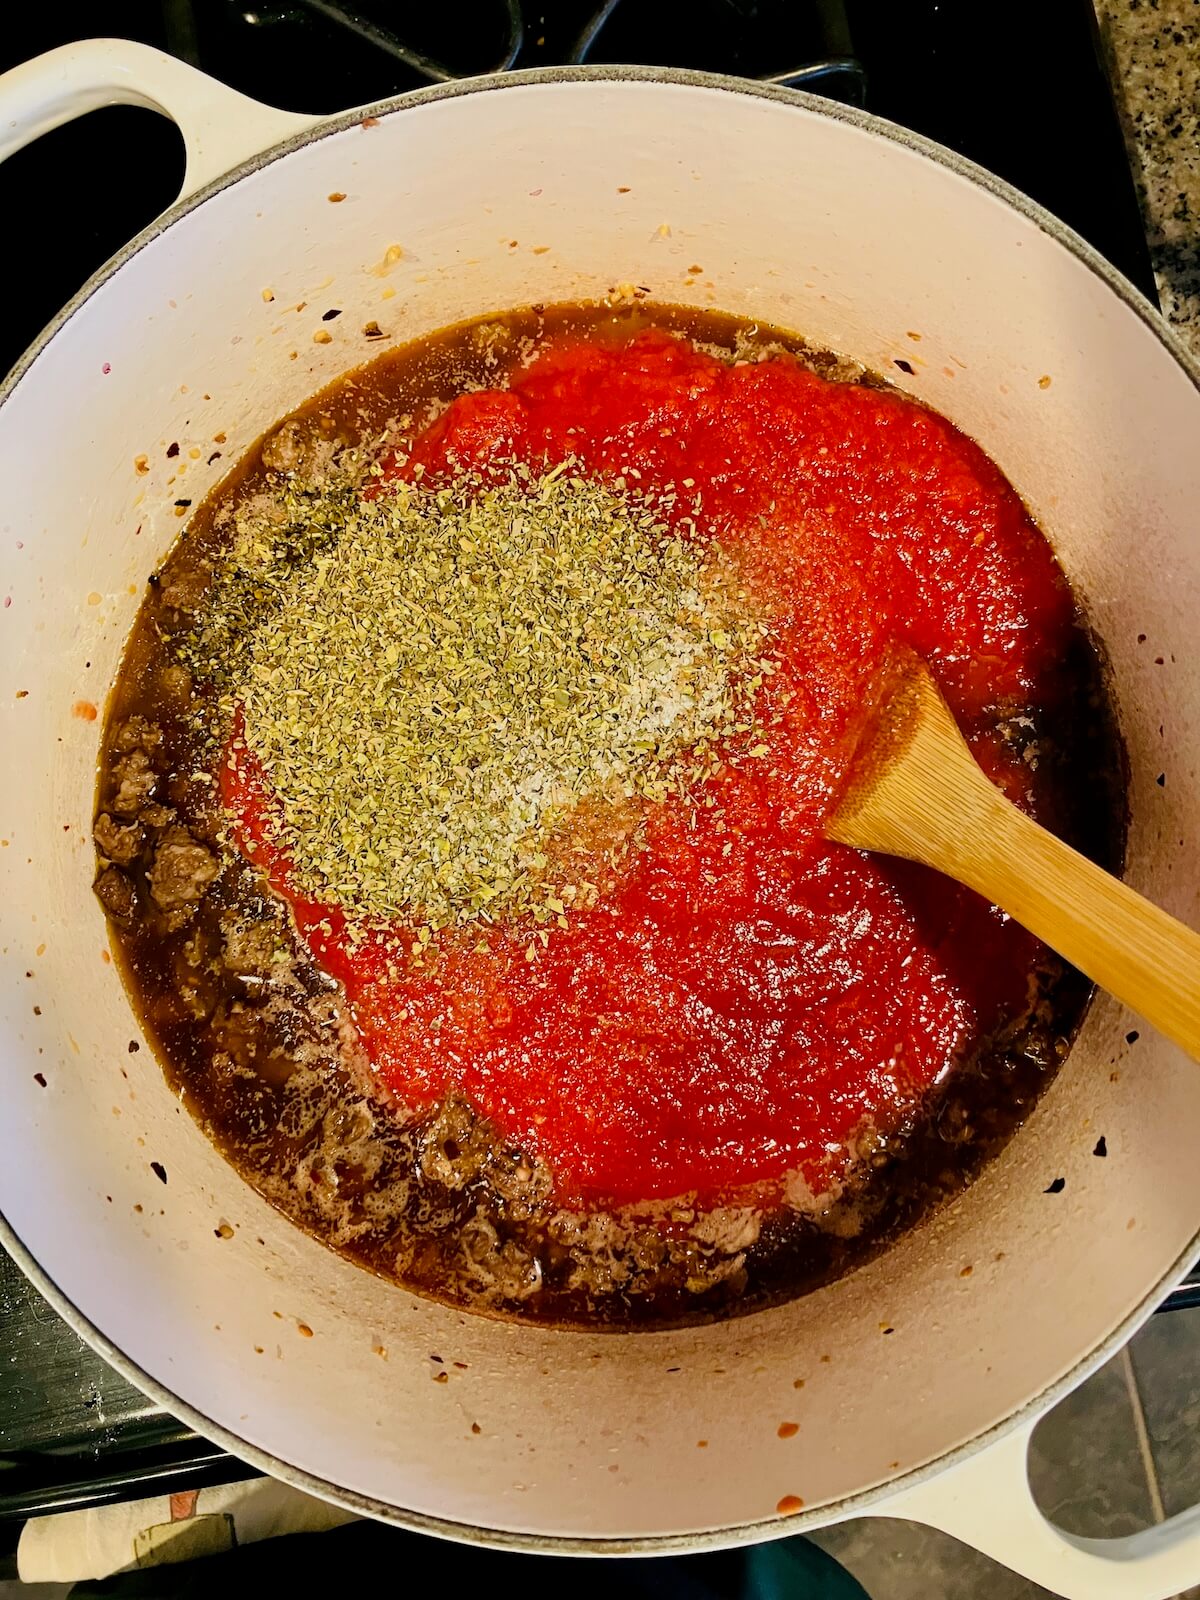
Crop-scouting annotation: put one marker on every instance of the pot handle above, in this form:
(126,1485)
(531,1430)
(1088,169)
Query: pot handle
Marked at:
(220,127)
(986,1502)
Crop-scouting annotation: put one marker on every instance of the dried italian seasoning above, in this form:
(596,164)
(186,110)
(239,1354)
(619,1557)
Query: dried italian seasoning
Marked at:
(438,680)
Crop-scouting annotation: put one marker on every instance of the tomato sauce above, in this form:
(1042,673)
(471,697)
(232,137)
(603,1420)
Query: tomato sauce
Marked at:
(747,1004)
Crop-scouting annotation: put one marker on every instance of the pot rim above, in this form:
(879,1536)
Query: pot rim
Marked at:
(734,1534)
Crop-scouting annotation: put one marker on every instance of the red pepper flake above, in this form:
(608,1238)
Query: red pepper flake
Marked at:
(134,1047)
(106,368)
(624,189)
(1044,381)
(905,366)
(336,197)
(441,1377)
(788,1430)
(84,710)
(788,1504)
(22,694)
(475,1428)
(369,122)
(701,1444)
(303,1329)
(173,450)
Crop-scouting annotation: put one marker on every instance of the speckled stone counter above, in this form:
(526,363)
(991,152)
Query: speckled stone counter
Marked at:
(1153,52)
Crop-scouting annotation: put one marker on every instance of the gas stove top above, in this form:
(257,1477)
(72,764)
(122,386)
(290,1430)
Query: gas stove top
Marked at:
(1026,97)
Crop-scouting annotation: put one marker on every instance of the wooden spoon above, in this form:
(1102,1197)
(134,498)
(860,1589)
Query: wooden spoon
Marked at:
(914,790)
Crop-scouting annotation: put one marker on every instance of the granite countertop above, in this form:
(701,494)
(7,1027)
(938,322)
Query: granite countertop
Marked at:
(1153,51)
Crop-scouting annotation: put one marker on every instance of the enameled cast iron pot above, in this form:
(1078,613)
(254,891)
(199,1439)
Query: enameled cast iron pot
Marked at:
(862,237)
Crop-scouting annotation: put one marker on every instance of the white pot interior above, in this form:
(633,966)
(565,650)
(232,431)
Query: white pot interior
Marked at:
(542,192)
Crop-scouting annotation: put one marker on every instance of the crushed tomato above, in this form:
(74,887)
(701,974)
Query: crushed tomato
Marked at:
(750,1001)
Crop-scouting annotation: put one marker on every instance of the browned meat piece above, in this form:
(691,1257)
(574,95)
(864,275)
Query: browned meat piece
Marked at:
(119,841)
(455,1147)
(250,947)
(495,1270)
(303,449)
(284,450)
(139,733)
(184,584)
(116,893)
(522,1182)
(136,783)
(182,871)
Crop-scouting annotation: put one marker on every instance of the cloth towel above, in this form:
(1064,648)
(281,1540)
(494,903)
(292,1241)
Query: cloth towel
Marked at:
(73,1545)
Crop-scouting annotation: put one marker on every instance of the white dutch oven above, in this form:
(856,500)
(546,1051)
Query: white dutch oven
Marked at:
(501,192)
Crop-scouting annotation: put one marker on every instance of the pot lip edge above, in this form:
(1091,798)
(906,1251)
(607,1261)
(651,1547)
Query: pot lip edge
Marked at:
(672,77)
(734,1534)
(726,1536)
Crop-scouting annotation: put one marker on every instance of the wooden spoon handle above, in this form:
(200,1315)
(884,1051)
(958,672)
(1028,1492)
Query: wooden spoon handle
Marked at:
(915,790)
(1124,943)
